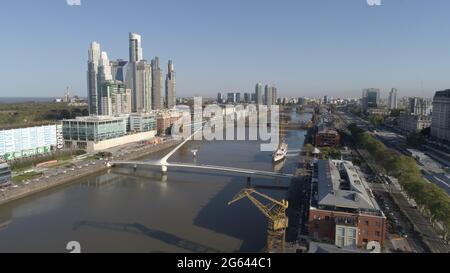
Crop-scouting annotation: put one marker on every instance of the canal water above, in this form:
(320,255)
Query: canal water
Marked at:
(139,211)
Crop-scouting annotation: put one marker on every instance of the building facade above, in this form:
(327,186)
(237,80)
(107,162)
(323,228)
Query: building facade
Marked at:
(156,85)
(440,127)
(259,94)
(343,211)
(5,172)
(93,62)
(370,98)
(414,123)
(171,96)
(31,141)
(328,138)
(392,101)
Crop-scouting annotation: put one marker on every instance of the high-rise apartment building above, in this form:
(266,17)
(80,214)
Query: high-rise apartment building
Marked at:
(156,85)
(92,86)
(136,52)
(104,75)
(219,98)
(392,101)
(268,94)
(259,94)
(143,87)
(117,70)
(440,123)
(115,98)
(274,95)
(170,86)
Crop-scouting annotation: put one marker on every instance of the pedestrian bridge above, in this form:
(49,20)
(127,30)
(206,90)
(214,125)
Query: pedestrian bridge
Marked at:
(164,164)
(158,163)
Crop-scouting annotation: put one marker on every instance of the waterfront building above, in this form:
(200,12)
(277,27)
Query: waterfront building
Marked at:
(156,85)
(170,86)
(97,133)
(440,126)
(31,141)
(392,101)
(343,210)
(165,121)
(5,172)
(259,94)
(93,62)
(139,123)
(327,137)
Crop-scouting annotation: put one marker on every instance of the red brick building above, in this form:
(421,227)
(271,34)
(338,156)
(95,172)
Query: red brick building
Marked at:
(328,138)
(343,210)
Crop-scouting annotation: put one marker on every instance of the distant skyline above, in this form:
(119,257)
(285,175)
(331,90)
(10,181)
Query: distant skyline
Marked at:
(304,48)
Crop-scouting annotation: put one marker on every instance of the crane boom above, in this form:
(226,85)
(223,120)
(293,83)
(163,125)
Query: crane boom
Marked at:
(275,211)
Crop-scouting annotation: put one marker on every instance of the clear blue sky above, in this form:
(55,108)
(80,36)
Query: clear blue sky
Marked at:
(305,47)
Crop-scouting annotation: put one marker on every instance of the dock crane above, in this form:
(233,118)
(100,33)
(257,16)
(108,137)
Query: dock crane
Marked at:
(275,211)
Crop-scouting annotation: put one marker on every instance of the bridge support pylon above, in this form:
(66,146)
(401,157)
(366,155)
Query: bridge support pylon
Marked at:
(164,169)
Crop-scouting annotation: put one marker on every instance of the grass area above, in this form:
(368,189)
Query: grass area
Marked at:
(15,115)
(28,163)
(26,176)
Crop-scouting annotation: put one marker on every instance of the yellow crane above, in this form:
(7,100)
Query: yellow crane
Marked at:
(275,211)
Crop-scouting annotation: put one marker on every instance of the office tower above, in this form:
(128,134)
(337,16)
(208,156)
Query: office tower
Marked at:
(232,97)
(392,102)
(419,106)
(136,53)
(93,92)
(440,122)
(370,98)
(136,56)
(156,84)
(325,100)
(219,98)
(259,94)
(268,94)
(274,95)
(253,97)
(170,87)
(117,70)
(143,87)
(247,97)
(238,97)
(104,74)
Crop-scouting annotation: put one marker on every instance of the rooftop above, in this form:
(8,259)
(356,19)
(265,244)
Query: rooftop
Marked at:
(340,186)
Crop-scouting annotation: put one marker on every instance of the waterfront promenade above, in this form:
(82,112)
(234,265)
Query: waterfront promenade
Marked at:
(65,175)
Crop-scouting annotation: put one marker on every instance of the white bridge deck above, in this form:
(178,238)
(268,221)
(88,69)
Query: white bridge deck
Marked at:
(247,172)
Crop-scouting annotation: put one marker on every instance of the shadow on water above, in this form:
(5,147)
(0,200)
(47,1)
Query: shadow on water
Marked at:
(140,229)
(234,220)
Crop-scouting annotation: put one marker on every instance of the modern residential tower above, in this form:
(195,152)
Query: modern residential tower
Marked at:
(392,102)
(259,94)
(92,86)
(170,86)
(156,84)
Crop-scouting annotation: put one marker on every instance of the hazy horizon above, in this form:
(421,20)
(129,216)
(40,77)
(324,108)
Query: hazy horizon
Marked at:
(305,48)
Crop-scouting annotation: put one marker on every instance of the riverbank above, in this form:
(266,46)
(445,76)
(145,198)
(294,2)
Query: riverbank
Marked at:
(80,170)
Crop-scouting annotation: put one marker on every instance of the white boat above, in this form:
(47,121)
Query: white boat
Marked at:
(280,153)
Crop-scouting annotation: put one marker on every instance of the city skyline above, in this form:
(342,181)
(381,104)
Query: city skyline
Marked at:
(390,47)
